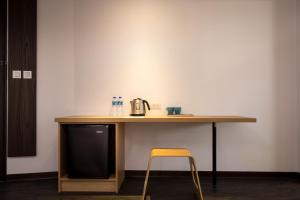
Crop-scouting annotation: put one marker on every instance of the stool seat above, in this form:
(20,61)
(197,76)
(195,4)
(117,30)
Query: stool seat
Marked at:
(170,152)
(174,152)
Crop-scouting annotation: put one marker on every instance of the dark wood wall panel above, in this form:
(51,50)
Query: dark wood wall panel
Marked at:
(2,89)
(22,92)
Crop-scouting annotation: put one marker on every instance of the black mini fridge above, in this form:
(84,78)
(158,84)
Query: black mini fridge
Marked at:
(88,151)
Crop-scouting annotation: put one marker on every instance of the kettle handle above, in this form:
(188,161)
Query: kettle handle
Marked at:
(146,102)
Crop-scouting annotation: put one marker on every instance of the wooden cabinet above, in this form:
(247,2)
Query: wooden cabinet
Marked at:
(22,28)
(112,184)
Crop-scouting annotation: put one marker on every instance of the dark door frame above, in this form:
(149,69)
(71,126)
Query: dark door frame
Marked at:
(3,95)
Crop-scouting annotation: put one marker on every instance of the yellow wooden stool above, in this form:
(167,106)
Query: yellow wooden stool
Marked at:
(178,152)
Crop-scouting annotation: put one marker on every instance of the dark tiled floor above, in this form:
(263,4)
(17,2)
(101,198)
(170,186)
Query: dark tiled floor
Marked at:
(179,188)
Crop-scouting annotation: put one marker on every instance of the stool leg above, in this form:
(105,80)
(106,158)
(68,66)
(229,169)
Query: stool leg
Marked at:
(192,172)
(197,178)
(194,176)
(146,179)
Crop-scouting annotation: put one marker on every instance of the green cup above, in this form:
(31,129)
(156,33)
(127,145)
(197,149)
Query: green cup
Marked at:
(170,110)
(177,110)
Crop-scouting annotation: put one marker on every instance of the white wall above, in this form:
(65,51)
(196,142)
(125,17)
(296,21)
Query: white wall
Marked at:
(55,83)
(210,57)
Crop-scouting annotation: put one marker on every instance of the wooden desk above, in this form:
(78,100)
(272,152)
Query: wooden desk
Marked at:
(113,183)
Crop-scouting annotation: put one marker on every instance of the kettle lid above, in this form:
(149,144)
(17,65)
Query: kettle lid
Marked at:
(137,99)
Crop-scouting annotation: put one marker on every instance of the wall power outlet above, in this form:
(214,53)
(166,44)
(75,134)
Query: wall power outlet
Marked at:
(155,106)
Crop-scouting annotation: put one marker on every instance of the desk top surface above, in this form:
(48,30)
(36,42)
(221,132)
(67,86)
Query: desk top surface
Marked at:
(162,119)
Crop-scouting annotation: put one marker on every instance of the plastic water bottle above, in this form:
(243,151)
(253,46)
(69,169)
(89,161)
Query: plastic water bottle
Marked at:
(120,106)
(113,110)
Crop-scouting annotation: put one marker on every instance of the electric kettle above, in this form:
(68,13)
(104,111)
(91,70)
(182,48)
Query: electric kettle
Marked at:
(138,107)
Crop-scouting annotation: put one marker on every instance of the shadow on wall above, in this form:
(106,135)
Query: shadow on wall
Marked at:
(284,78)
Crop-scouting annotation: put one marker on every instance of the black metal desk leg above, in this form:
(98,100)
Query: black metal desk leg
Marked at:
(214,154)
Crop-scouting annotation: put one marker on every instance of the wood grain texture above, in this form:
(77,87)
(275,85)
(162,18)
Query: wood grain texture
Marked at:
(61,155)
(22,92)
(158,119)
(88,185)
(120,155)
(2,89)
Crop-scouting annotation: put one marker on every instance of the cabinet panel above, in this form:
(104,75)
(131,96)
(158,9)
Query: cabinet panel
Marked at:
(22,92)
(116,160)
(2,89)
